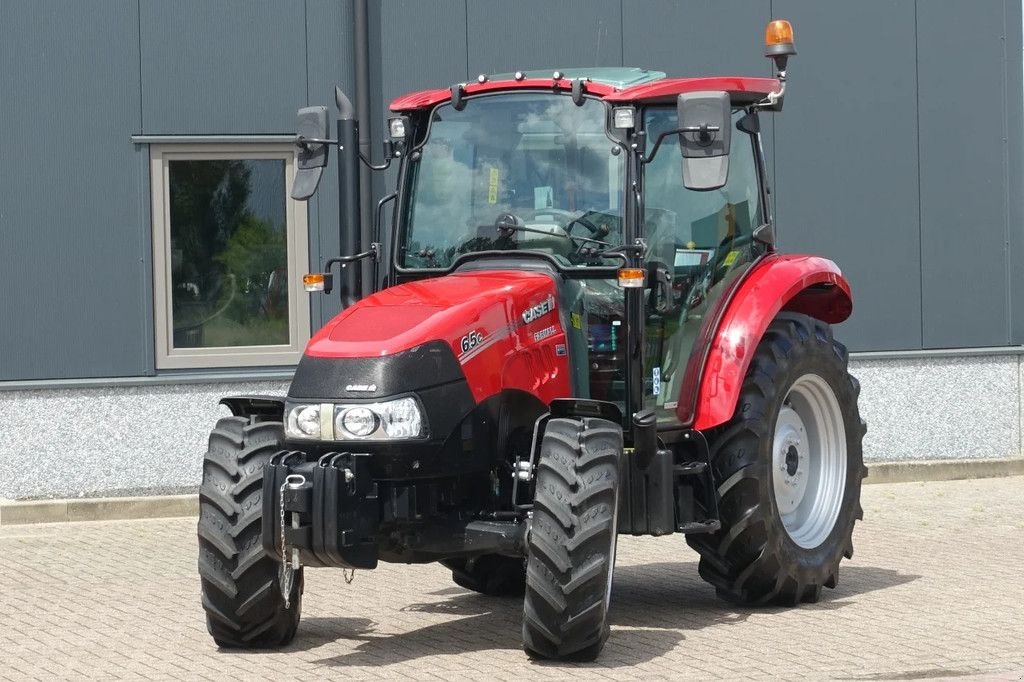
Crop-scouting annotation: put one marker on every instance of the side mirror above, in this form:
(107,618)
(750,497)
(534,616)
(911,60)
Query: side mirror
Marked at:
(311,149)
(705,131)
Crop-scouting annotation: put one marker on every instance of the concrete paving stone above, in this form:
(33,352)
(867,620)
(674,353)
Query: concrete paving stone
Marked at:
(934,590)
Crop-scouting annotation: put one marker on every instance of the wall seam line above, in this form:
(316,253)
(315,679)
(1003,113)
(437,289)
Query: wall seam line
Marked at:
(917,134)
(622,33)
(305,36)
(138,18)
(1006,182)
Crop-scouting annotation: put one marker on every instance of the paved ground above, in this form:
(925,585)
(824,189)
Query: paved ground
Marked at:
(935,589)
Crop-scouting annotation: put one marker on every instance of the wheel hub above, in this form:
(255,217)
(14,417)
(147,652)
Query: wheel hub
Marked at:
(792,460)
(789,456)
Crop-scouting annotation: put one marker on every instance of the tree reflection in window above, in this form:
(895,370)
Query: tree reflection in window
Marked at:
(229,272)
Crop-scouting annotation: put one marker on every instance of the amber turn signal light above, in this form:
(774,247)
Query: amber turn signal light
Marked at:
(631,278)
(317,281)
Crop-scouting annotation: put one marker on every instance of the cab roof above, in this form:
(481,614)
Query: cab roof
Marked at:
(613,84)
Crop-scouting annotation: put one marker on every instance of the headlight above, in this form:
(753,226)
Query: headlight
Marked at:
(391,420)
(402,418)
(303,422)
(357,421)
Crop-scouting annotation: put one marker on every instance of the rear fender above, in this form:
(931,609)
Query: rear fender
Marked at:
(805,284)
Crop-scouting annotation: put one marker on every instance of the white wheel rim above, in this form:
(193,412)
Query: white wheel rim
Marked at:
(809,461)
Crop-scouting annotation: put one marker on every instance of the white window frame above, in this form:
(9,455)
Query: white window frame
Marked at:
(168,357)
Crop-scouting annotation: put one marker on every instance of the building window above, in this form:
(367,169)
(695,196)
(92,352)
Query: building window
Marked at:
(229,249)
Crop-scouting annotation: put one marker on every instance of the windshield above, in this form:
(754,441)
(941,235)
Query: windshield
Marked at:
(523,171)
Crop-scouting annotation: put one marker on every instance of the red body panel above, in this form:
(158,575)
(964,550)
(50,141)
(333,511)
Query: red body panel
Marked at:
(425,99)
(741,87)
(778,282)
(479,314)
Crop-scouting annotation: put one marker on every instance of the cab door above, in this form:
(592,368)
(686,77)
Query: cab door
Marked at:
(704,240)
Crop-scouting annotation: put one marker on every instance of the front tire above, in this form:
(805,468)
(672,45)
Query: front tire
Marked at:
(241,590)
(788,469)
(572,540)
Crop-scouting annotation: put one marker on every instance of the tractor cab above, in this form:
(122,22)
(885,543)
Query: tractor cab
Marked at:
(573,167)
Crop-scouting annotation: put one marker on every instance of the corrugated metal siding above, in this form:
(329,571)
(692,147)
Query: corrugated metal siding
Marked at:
(846,160)
(540,34)
(73,229)
(1014,79)
(232,66)
(963,179)
(696,38)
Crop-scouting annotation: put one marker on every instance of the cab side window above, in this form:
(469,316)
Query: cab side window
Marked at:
(685,225)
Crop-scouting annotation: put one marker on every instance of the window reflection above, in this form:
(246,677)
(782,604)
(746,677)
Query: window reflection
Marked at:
(540,158)
(229,257)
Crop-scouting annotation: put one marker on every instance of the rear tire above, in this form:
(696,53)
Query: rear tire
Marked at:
(490,574)
(788,468)
(241,590)
(572,540)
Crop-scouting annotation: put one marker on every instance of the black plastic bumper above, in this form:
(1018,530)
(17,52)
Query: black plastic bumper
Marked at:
(330,507)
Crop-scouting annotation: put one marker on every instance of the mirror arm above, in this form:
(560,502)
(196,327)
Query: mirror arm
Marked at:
(380,211)
(304,142)
(369,163)
(701,130)
(373,253)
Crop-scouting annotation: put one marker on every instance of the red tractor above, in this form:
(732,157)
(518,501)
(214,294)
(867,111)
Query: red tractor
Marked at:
(577,326)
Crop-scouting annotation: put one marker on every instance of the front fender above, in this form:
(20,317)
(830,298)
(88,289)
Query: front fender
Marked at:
(265,407)
(805,284)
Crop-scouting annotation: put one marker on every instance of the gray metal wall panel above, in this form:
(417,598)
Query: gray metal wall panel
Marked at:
(233,66)
(686,38)
(329,41)
(543,34)
(846,160)
(422,45)
(1014,50)
(71,237)
(963,180)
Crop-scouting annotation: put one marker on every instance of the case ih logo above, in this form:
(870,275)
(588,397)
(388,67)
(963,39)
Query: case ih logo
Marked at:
(540,310)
